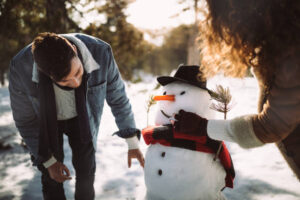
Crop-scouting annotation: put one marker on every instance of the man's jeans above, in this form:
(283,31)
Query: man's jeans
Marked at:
(83,159)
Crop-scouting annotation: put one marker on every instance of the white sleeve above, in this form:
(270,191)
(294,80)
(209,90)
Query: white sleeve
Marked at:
(49,162)
(238,130)
(133,142)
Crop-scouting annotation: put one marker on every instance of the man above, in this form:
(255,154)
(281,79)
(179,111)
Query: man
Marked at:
(58,85)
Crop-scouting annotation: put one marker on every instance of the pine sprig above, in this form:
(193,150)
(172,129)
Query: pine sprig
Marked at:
(223,98)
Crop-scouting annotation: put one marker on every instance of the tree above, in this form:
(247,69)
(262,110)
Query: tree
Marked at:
(16,27)
(173,51)
(21,21)
(127,42)
(57,16)
(193,47)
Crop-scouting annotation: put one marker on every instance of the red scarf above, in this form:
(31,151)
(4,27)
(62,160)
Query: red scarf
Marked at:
(197,143)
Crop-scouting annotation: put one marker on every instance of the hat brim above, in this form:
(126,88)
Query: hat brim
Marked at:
(165,80)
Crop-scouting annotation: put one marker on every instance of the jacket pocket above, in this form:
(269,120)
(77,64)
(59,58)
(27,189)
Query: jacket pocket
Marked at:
(95,98)
(96,88)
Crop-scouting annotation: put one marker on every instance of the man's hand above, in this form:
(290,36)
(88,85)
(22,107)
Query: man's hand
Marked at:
(59,172)
(135,153)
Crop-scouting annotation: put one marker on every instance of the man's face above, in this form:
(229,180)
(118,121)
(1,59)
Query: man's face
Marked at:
(74,78)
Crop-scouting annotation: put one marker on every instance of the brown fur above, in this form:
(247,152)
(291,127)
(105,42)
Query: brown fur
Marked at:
(237,34)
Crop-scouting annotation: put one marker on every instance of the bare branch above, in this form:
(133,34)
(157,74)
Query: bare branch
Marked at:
(150,102)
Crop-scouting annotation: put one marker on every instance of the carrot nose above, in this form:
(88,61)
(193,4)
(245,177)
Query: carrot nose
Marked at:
(164,98)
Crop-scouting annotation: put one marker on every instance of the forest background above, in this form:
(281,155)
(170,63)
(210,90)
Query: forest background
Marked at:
(21,21)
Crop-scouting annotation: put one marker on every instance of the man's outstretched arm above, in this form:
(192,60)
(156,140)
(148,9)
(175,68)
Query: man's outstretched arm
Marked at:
(118,101)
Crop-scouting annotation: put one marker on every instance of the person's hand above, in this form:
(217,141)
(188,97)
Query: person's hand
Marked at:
(59,172)
(135,153)
(190,123)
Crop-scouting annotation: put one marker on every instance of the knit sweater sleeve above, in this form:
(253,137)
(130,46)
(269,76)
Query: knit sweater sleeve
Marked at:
(279,116)
(281,112)
(238,130)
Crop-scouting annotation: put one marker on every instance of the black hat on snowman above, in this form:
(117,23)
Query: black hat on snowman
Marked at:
(189,74)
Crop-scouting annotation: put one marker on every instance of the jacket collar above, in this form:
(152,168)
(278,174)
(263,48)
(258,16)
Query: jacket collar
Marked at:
(88,61)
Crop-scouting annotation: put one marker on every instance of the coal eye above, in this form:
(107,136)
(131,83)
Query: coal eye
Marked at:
(182,93)
(164,93)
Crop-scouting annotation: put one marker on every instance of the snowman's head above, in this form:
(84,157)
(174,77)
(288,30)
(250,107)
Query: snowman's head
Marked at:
(178,95)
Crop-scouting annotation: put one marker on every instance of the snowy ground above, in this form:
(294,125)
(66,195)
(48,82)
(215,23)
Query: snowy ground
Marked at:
(261,173)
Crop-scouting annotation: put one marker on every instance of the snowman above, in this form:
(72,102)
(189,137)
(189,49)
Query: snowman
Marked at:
(177,168)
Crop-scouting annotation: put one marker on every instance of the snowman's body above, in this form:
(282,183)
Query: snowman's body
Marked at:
(173,173)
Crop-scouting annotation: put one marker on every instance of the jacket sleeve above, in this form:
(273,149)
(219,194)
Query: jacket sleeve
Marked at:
(279,117)
(24,115)
(118,101)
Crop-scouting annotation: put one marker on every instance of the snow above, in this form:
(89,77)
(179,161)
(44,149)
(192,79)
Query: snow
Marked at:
(261,173)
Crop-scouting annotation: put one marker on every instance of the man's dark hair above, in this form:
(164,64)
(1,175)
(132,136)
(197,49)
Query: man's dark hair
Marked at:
(53,54)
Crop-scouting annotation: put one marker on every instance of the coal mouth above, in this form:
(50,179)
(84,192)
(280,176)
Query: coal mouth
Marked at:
(166,115)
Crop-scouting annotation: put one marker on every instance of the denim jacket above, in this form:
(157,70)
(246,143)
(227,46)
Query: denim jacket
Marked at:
(103,83)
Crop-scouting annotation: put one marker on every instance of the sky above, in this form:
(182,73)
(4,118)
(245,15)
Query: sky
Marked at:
(157,14)
(156,17)
(153,17)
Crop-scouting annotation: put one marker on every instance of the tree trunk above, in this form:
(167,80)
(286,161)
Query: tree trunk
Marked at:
(193,48)
(57,16)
